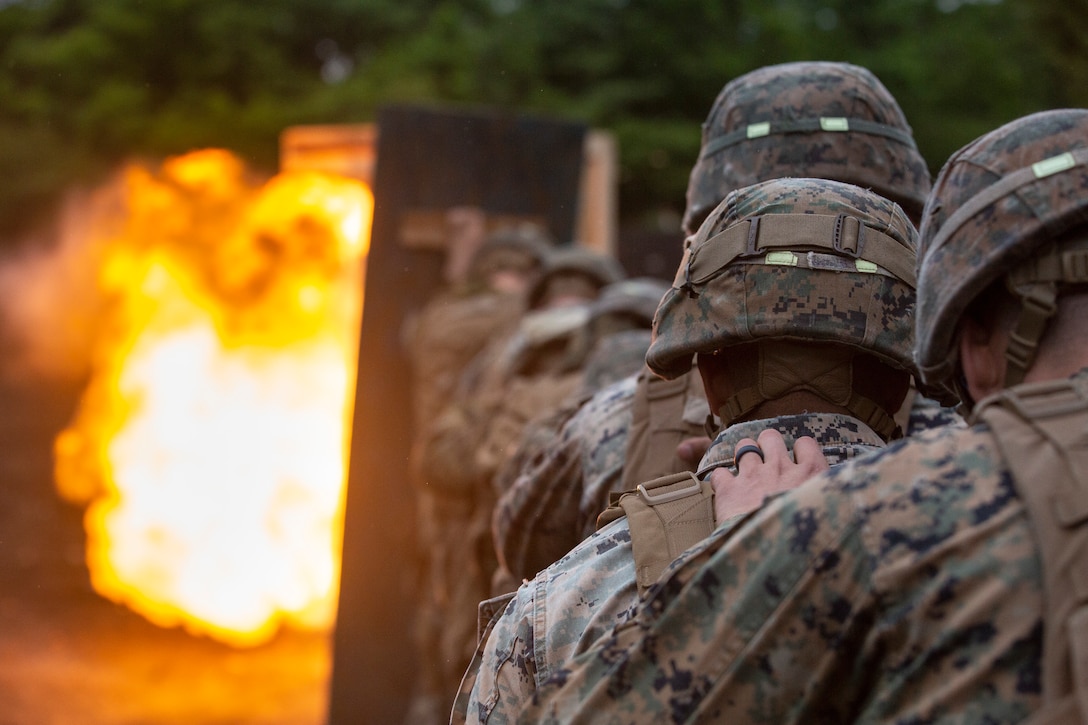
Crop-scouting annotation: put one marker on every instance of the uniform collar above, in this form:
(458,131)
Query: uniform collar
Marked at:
(840,436)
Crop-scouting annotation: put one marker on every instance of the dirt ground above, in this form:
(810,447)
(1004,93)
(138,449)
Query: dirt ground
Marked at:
(68,656)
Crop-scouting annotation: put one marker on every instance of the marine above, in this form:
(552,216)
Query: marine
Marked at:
(797,325)
(817,119)
(942,578)
(488,276)
(460,448)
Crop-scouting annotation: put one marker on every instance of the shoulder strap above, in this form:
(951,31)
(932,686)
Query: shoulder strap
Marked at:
(658,425)
(667,516)
(1042,432)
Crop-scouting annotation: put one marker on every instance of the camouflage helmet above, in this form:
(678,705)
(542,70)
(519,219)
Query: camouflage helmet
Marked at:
(599,270)
(520,248)
(793,261)
(636,299)
(816,119)
(614,357)
(997,208)
(622,306)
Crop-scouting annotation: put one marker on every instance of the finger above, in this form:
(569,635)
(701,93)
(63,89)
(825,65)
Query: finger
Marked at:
(691,450)
(728,499)
(774,448)
(721,478)
(809,456)
(746,455)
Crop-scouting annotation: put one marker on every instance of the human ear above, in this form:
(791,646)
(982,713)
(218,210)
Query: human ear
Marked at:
(982,358)
(708,372)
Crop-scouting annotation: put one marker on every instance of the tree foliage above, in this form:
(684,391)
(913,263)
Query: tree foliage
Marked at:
(87,83)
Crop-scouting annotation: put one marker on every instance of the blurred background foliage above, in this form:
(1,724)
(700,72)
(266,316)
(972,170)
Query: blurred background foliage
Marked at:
(86,84)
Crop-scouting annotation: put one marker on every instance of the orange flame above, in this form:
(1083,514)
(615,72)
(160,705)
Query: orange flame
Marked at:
(210,443)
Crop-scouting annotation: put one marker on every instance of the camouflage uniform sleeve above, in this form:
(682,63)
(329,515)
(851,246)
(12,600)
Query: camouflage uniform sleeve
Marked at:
(553,617)
(445,440)
(927,413)
(536,520)
(903,587)
(553,503)
(502,675)
(603,429)
(490,614)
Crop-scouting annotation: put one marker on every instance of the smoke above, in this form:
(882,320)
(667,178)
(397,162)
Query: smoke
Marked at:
(49,298)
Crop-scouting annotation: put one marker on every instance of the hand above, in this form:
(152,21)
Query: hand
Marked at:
(755,479)
(466,231)
(691,450)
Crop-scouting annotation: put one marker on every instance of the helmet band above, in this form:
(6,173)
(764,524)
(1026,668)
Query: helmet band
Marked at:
(764,238)
(1007,185)
(830,124)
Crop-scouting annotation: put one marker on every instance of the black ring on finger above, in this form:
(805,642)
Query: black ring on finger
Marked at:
(748,449)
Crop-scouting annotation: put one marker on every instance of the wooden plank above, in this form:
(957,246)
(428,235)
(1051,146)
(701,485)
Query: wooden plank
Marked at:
(346,149)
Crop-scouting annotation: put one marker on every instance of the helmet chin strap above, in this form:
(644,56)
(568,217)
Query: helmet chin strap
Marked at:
(788,367)
(1038,303)
(1036,284)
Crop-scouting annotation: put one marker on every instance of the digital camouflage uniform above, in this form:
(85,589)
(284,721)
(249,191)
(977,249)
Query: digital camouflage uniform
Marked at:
(579,598)
(613,346)
(890,591)
(813,119)
(517,375)
(905,586)
(448,333)
(717,301)
(615,356)
(535,524)
(556,497)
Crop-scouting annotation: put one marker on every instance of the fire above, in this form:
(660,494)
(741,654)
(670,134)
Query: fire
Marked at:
(210,443)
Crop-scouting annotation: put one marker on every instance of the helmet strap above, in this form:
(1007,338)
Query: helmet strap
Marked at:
(712,426)
(1038,303)
(966,402)
(1035,284)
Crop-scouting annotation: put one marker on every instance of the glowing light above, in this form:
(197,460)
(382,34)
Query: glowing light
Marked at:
(210,443)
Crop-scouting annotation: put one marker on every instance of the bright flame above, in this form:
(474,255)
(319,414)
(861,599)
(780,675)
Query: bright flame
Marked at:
(210,443)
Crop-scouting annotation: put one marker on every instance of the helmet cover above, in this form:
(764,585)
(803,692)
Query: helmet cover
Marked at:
(600,269)
(792,259)
(997,203)
(807,119)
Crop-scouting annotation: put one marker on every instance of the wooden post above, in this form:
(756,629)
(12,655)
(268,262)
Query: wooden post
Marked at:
(598,207)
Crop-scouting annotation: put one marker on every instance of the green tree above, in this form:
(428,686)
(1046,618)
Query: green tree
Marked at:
(86,83)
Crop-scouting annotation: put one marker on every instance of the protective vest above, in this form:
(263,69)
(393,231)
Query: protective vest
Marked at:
(667,516)
(1042,433)
(664,413)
